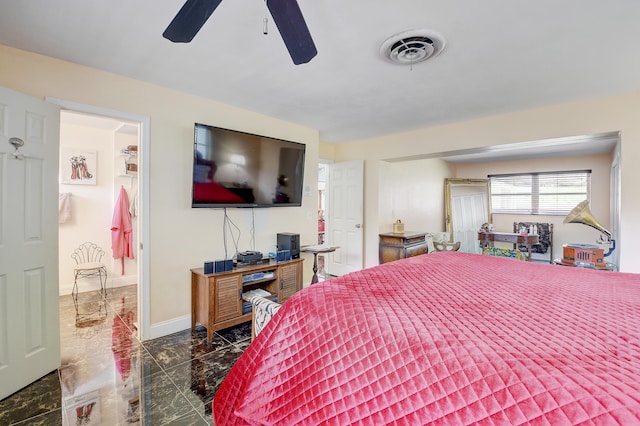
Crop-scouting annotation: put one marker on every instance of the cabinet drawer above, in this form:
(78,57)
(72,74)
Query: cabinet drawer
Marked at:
(414,240)
(415,250)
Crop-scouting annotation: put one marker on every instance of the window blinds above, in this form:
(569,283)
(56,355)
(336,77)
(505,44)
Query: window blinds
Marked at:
(545,193)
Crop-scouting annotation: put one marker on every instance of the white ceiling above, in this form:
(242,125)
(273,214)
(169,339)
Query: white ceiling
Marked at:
(500,56)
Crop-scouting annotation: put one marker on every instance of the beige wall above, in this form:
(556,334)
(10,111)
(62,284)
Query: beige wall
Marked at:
(617,113)
(327,151)
(416,195)
(180,237)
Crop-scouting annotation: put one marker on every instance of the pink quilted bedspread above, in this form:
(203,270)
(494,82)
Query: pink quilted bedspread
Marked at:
(446,338)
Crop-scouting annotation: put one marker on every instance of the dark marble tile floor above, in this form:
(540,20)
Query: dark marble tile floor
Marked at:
(109,377)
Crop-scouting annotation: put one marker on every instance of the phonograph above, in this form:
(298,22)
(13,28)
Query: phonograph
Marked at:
(587,254)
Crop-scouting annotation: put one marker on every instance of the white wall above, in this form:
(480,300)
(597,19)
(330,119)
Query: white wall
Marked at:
(562,233)
(92,208)
(91,205)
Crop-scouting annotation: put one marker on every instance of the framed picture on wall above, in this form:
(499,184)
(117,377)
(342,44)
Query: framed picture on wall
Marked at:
(77,166)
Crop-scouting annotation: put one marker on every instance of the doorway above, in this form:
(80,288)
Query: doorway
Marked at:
(323,186)
(98,170)
(130,127)
(340,206)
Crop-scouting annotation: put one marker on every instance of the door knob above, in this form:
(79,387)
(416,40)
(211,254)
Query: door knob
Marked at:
(17,144)
(358,225)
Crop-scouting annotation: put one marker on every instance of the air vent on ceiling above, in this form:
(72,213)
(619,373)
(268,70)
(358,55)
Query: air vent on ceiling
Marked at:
(412,47)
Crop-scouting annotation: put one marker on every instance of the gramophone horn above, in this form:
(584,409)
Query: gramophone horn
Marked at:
(582,214)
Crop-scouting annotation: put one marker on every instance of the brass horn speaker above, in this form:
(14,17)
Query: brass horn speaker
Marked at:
(582,214)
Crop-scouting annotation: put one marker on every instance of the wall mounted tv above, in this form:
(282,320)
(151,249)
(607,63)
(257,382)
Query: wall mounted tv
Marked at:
(236,169)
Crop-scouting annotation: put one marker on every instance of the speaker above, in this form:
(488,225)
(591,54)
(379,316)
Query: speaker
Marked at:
(291,242)
(223,265)
(218,266)
(283,255)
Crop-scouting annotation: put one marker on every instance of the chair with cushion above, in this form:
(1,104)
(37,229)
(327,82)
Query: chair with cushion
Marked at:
(88,257)
(262,310)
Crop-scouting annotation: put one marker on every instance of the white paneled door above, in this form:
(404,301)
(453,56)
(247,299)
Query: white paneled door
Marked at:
(345,225)
(29,324)
(469,213)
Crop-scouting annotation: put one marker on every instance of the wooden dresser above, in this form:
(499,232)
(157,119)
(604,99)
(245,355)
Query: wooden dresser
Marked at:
(216,299)
(394,246)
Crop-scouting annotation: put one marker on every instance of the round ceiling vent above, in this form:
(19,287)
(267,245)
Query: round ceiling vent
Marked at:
(412,47)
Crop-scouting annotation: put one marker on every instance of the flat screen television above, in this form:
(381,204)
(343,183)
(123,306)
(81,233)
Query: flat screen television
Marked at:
(237,169)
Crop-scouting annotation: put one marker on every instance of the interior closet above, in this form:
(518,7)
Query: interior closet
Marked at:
(98,160)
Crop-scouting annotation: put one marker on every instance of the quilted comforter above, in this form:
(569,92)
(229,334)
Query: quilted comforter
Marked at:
(446,338)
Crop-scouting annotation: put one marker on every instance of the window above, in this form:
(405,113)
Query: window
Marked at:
(547,193)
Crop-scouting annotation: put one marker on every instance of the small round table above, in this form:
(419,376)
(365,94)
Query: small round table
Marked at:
(315,250)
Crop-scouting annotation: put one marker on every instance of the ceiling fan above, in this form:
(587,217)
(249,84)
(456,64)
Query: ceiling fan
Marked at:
(286,14)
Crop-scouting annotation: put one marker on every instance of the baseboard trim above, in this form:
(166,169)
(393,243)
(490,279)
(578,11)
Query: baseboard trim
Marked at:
(165,328)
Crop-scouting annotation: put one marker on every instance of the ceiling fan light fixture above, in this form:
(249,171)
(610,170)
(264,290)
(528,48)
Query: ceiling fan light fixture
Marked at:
(412,47)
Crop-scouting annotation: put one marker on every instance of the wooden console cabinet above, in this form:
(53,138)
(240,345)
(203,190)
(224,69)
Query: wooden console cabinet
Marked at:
(394,246)
(216,299)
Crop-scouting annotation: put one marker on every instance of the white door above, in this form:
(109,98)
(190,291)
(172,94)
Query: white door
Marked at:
(615,207)
(469,213)
(345,224)
(29,324)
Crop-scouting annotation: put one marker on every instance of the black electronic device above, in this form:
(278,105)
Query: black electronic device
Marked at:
(236,169)
(223,265)
(249,256)
(289,241)
(283,255)
(264,260)
(218,266)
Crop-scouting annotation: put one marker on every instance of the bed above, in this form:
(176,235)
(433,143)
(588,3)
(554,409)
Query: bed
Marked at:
(446,338)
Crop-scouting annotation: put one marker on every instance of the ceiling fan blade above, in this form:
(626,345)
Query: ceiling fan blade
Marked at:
(191,17)
(293,29)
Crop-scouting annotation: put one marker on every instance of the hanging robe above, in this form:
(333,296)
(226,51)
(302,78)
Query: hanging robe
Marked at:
(64,207)
(121,229)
